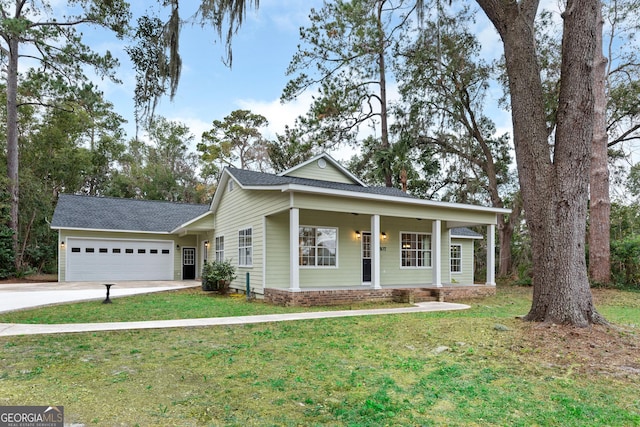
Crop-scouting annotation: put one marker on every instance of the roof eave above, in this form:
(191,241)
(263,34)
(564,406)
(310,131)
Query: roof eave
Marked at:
(396,199)
(109,230)
(191,221)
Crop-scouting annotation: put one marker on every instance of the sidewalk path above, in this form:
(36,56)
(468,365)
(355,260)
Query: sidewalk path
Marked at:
(9,329)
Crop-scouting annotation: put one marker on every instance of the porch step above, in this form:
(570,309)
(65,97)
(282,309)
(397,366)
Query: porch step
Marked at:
(414,295)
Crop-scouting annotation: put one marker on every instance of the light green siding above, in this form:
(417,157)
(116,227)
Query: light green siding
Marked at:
(277,251)
(202,225)
(465,277)
(241,209)
(391,272)
(186,241)
(348,272)
(445,247)
(328,173)
(211,250)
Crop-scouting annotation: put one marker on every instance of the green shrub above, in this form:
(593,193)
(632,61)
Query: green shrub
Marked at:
(6,252)
(625,261)
(218,275)
(6,235)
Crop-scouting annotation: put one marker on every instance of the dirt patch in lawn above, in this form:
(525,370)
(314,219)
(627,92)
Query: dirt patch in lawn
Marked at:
(611,351)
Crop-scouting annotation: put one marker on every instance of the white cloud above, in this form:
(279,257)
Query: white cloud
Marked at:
(279,115)
(288,15)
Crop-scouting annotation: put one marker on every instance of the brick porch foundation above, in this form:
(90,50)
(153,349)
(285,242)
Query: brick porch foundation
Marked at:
(311,298)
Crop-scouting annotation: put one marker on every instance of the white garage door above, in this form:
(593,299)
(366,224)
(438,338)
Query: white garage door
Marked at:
(110,260)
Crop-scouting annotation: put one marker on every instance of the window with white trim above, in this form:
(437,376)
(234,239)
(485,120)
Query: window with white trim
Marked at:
(245,247)
(318,246)
(456,258)
(415,250)
(219,248)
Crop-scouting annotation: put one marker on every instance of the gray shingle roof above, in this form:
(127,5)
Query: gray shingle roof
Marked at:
(105,213)
(250,178)
(465,232)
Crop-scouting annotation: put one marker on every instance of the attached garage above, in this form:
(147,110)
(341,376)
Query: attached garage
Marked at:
(103,239)
(111,259)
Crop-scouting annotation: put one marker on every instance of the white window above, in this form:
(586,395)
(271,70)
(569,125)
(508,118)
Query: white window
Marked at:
(219,248)
(318,246)
(245,248)
(456,258)
(415,250)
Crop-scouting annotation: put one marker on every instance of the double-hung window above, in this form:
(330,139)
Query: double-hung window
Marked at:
(415,250)
(245,247)
(318,246)
(219,248)
(456,258)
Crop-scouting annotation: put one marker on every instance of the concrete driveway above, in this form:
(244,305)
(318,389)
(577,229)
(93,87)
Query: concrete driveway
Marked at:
(18,296)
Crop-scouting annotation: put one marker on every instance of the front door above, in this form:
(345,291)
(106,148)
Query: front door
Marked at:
(366,257)
(188,263)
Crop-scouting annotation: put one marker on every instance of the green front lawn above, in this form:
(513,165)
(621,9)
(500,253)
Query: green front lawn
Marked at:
(189,303)
(479,367)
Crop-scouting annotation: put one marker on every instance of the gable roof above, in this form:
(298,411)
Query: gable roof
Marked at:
(344,171)
(260,179)
(106,213)
(250,180)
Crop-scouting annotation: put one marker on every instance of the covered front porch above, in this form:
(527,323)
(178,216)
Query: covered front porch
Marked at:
(388,251)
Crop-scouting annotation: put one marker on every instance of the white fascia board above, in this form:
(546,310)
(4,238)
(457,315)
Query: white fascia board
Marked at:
(186,224)
(387,198)
(110,230)
(456,236)
(331,160)
(218,194)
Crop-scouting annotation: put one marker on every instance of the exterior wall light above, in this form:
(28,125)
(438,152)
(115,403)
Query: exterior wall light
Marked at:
(358,234)
(384,236)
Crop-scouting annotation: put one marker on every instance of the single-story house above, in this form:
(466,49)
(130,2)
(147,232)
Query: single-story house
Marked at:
(314,233)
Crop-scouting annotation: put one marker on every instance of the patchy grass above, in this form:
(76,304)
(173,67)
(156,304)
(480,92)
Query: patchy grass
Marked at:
(479,367)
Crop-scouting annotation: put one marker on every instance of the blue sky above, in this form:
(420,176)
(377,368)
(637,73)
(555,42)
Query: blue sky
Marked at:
(262,50)
(208,89)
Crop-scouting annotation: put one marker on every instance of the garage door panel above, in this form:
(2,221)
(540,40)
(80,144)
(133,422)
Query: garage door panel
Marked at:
(102,260)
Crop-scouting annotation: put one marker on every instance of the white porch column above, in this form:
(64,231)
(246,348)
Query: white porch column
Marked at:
(436,250)
(491,255)
(294,243)
(375,251)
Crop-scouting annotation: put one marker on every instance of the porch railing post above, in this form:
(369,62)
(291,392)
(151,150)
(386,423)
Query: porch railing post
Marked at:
(436,248)
(375,251)
(491,255)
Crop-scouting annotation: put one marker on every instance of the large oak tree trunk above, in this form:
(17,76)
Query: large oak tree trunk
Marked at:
(600,206)
(553,181)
